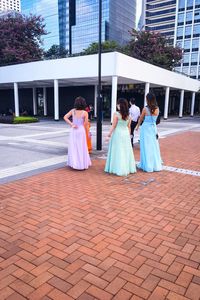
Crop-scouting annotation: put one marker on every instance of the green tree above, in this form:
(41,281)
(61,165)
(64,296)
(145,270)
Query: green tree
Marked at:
(21,38)
(107,46)
(55,52)
(154,48)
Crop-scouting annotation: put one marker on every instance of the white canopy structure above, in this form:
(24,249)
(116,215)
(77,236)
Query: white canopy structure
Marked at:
(117,69)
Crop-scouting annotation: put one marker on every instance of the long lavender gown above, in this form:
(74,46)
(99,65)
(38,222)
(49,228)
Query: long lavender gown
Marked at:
(78,156)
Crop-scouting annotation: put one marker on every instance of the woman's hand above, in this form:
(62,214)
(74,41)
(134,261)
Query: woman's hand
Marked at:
(136,128)
(74,126)
(107,139)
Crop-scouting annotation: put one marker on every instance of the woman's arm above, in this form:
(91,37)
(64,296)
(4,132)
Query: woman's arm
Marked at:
(141,118)
(66,118)
(129,125)
(114,124)
(86,119)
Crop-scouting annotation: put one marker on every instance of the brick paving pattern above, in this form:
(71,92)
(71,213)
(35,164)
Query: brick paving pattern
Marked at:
(88,235)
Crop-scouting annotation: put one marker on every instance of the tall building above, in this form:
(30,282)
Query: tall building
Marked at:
(117,19)
(48,9)
(160,16)
(187,36)
(10,5)
(180,20)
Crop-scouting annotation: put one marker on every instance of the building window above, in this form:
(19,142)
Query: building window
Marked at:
(182,4)
(181,18)
(196,31)
(197,16)
(187,44)
(195,44)
(193,71)
(189,16)
(186,58)
(180,31)
(179,44)
(194,57)
(190,4)
(188,30)
(185,70)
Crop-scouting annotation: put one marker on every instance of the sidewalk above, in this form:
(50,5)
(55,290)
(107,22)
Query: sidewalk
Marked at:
(88,235)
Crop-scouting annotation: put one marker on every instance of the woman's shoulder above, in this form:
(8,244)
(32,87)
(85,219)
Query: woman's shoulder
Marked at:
(156,112)
(117,114)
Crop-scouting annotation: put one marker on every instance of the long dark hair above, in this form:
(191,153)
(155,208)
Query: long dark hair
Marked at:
(80,103)
(151,102)
(123,108)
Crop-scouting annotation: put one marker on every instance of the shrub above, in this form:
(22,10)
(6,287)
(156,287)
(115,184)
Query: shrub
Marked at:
(6,119)
(20,120)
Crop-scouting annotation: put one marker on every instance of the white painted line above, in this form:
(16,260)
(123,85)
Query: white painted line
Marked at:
(43,142)
(12,171)
(14,138)
(167,168)
(182,171)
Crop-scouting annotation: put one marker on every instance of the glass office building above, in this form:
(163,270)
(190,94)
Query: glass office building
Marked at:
(48,9)
(118,17)
(188,36)
(180,20)
(10,5)
(160,16)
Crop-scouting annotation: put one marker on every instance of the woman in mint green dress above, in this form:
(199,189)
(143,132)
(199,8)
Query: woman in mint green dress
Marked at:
(120,159)
(150,159)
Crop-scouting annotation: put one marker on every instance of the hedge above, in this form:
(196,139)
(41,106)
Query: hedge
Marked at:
(20,120)
(17,120)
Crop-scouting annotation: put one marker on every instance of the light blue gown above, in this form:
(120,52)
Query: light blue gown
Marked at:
(120,159)
(150,159)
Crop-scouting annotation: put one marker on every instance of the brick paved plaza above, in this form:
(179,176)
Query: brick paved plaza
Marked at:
(88,235)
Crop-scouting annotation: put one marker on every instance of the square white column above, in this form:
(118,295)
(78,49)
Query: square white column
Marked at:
(45,100)
(16,99)
(95,100)
(146,91)
(192,104)
(114,96)
(56,100)
(166,103)
(34,101)
(181,104)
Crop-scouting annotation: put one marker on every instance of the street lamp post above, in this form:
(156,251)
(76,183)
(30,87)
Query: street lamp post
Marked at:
(72,21)
(99,96)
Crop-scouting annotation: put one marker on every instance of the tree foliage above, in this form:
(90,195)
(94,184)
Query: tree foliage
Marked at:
(154,48)
(55,52)
(107,46)
(20,38)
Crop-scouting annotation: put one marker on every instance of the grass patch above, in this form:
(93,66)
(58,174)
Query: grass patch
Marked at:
(20,120)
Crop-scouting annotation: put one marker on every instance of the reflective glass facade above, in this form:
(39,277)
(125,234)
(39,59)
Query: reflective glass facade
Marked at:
(48,9)
(188,36)
(118,17)
(160,16)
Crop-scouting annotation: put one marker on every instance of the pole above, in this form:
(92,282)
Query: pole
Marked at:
(99,99)
(70,39)
(72,21)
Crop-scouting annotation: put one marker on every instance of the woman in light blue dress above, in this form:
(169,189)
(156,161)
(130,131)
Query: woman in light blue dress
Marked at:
(120,160)
(150,159)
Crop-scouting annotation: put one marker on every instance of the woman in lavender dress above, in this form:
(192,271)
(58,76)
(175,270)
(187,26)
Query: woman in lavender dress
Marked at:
(78,156)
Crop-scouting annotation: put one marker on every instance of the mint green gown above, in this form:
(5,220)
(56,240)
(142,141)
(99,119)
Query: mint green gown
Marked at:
(120,159)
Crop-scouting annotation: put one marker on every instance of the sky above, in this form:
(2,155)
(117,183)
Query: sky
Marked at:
(139,8)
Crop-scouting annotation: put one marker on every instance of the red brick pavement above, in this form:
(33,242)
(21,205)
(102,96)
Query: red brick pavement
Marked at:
(89,235)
